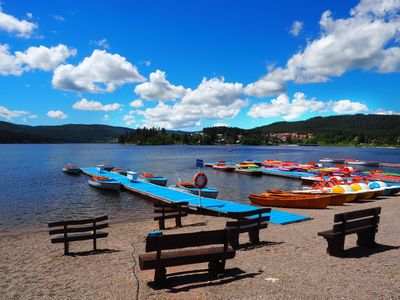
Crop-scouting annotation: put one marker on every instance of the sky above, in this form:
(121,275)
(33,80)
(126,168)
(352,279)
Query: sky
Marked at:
(193,64)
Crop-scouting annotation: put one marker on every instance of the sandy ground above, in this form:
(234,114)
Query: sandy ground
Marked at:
(292,264)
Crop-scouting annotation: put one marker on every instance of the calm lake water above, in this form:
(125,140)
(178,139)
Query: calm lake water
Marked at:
(35,191)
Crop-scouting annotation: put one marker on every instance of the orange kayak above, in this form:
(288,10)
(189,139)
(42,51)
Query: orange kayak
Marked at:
(335,199)
(311,201)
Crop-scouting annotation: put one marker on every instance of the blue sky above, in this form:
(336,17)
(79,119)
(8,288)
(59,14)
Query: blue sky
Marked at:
(188,65)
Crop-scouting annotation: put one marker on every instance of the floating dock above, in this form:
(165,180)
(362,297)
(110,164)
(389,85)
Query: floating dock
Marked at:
(286,174)
(208,205)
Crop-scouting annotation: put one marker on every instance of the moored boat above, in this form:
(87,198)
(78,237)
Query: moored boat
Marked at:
(332,160)
(105,183)
(224,167)
(295,201)
(121,171)
(151,178)
(335,199)
(71,169)
(104,167)
(248,169)
(188,187)
(363,162)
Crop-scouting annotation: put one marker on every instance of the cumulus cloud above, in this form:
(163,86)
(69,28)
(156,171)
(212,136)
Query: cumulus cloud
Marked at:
(85,104)
(103,43)
(56,114)
(387,112)
(100,72)
(11,24)
(11,114)
(106,117)
(159,88)
(213,99)
(129,120)
(347,106)
(282,106)
(297,26)
(41,58)
(136,103)
(367,40)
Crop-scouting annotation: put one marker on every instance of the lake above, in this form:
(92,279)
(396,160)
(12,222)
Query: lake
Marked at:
(35,191)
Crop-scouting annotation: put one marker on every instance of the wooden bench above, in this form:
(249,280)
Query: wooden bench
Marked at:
(166,211)
(73,230)
(159,259)
(246,222)
(362,222)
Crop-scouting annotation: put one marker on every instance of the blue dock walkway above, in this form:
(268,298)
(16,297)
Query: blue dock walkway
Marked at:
(217,206)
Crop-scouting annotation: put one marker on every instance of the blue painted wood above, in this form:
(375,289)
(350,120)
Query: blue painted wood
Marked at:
(217,205)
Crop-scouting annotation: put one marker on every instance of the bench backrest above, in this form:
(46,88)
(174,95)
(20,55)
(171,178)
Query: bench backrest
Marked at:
(249,219)
(185,240)
(170,208)
(72,226)
(351,222)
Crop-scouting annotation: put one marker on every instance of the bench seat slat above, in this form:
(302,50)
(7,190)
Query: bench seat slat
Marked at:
(184,240)
(78,222)
(246,228)
(331,233)
(183,257)
(355,224)
(357,214)
(79,229)
(239,215)
(247,222)
(171,205)
(172,216)
(79,237)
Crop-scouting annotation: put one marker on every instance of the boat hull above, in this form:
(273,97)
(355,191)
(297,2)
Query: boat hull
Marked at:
(317,202)
(73,171)
(161,181)
(207,192)
(105,185)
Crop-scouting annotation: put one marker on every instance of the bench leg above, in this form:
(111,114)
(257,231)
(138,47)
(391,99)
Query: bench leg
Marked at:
(161,224)
(254,236)
(216,268)
(160,275)
(234,239)
(335,246)
(178,222)
(94,245)
(66,248)
(366,238)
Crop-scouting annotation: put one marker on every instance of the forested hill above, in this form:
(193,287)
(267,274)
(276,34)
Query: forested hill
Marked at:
(71,133)
(345,129)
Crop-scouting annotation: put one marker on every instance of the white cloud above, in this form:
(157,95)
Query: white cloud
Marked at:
(281,106)
(346,106)
(100,72)
(11,114)
(159,88)
(129,119)
(103,43)
(221,124)
(106,117)
(213,99)
(41,58)
(29,15)
(11,24)
(387,112)
(85,104)
(147,63)
(297,26)
(58,18)
(56,114)
(358,42)
(136,103)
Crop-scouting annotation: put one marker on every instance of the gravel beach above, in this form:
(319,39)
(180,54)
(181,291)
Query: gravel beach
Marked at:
(292,263)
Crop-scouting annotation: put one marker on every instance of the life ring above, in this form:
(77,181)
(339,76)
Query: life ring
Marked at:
(200,180)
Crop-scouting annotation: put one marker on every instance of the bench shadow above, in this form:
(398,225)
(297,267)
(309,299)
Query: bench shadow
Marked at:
(251,246)
(188,280)
(92,252)
(187,225)
(359,252)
